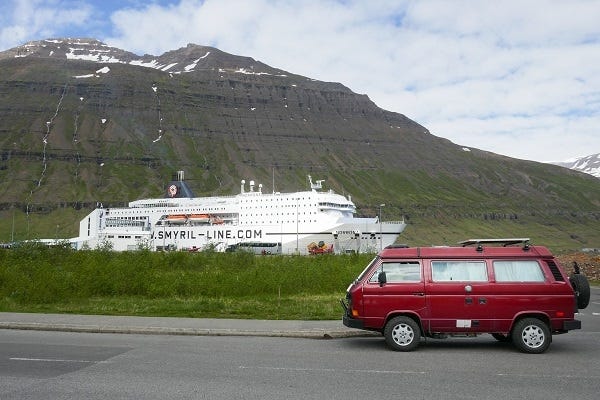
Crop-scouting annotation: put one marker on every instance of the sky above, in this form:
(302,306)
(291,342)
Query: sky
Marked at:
(516,77)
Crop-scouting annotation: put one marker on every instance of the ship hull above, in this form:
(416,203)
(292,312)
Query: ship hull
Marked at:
(354,236)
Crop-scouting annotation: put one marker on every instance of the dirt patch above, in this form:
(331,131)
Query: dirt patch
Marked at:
(589,263)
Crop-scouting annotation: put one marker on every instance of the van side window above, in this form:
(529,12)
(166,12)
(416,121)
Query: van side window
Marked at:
(398,272)
(518,271)
(468,271)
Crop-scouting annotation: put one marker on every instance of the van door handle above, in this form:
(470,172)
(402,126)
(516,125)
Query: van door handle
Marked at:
(418,294)
(482,300)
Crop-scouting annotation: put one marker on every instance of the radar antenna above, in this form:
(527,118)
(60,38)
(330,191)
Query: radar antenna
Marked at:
(317,185)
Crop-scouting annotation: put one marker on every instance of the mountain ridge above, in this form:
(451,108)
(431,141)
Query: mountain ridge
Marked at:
(105,125)
(589,164)
(183,60)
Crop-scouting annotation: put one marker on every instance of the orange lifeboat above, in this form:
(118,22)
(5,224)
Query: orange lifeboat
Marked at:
(199,218)
(176,218)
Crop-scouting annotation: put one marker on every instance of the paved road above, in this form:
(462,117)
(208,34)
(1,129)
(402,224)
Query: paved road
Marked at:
(62,365)
(72,365)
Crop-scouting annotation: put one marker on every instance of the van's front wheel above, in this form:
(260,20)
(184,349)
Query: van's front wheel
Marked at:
(402,334)
(531,335)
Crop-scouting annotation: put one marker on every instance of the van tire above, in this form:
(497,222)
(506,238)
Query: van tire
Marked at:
(531,335)
(581,286)
(501,337)
(402,334)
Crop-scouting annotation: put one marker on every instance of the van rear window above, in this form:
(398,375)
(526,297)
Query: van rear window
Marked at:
(466,271)
(518,271)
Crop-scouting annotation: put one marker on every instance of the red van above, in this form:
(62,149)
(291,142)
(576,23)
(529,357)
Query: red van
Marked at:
(506,287)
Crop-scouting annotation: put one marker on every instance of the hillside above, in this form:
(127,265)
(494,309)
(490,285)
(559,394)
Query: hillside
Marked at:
(83,123)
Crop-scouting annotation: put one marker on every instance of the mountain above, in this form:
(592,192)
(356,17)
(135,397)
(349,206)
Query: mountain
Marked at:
(82,123)
(588,164)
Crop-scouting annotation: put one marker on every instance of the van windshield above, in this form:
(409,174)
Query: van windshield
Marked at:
(367,268)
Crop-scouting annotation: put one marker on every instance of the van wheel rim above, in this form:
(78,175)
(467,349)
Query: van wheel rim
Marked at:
(403,334)
(533,336)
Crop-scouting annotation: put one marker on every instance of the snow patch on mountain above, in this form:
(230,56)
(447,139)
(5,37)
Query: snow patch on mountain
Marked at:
(191,66)
(103,70)
(588,164)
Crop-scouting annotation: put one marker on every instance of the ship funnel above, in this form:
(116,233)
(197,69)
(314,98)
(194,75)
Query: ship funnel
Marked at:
(177,188)
(242,186)
(252,186)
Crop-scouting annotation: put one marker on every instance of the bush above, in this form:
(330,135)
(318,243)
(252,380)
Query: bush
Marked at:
(34,277)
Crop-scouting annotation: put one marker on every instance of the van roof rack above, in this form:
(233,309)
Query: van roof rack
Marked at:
(504,242)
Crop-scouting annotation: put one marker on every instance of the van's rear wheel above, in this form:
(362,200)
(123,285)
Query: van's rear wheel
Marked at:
(531,335)
(402,334)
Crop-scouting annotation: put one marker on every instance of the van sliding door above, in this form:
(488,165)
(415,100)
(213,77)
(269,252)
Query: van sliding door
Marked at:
(457,297)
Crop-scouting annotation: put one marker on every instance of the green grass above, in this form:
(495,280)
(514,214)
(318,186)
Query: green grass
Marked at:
(34,278)
(299,307)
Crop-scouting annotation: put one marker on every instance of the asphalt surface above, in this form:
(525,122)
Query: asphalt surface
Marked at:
(177,326)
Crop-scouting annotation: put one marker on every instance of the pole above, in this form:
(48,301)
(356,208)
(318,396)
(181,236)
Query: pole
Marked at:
(380,228)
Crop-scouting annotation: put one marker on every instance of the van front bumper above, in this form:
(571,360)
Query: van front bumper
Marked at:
(352,322)
(347,318)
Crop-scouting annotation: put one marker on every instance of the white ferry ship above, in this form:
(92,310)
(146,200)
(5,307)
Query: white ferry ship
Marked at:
(312,221)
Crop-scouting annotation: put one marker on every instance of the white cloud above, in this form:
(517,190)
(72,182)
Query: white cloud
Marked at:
(514,77)
(24,20)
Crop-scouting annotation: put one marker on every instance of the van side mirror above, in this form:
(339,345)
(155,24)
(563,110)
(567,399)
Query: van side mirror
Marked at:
(382,278)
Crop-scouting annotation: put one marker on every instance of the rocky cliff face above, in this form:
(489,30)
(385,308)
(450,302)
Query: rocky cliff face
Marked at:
(83,122)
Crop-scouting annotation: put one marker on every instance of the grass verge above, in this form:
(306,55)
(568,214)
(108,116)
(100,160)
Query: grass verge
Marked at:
(34,278)
(310,307)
